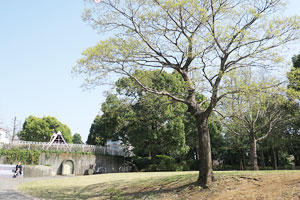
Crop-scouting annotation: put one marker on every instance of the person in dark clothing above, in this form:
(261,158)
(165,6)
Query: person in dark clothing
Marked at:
(18,171)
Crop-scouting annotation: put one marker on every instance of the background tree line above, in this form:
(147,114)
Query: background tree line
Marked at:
(256,128)
(41,129)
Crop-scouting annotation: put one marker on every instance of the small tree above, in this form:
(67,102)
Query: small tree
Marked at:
(256,111)
(77,139)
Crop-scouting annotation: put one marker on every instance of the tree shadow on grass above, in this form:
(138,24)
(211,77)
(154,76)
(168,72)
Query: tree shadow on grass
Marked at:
(161,191)
(113,191)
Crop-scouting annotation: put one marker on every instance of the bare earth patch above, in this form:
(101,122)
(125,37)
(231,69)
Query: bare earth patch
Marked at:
(285,185)
(171,185)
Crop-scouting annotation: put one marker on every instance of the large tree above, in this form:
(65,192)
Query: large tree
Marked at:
(41,129)
(202,40)
(149,124)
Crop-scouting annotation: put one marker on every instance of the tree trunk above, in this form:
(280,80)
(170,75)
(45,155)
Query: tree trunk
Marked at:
(274,158)
(253,153)
(262,159)
(244,159)
(277,156)
(205,168)
(241,164)
(241,160)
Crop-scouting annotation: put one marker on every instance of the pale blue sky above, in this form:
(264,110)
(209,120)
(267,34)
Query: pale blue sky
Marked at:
(40,42)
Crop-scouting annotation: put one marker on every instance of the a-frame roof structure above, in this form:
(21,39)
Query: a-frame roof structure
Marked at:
(57,139)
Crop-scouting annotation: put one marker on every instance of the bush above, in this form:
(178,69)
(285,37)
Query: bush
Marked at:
(184,166)
(142,163)
(12,156)
(165,163)
(193,165)
(161,163)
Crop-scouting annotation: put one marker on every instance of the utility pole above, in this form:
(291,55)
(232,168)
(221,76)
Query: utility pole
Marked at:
(15,126)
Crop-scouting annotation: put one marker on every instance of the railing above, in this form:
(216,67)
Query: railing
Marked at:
(115,150)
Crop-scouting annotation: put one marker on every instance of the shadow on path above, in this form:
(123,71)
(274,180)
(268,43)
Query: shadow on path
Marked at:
(8,187)
(12,194)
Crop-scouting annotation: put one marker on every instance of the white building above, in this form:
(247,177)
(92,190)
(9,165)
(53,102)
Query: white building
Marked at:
(4,136)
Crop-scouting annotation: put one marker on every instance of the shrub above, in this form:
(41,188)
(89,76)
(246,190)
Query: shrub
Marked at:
(193,165)
(12,156)
(165,163)
(142,163)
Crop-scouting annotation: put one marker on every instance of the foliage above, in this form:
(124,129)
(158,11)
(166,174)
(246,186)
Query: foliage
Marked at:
(28,157)
(294,78)
(41,129)
(256,113)
(106,126)
(161,163)
(31,157)
(164,163)
(77,139)
(158,121)
(142,163)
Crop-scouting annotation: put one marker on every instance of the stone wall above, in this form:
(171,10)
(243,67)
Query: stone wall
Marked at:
(38,171)
(78,164)
(82,162)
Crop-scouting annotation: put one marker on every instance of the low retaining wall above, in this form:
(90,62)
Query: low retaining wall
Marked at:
(38,171)
(51,164)
(82,162)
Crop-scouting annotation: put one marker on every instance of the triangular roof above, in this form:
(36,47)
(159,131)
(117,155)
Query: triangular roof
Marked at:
(57,138)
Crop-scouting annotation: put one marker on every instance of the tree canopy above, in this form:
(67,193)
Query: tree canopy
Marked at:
(41,129)
(257,111)
(77,139)
(150,124)
(294,77)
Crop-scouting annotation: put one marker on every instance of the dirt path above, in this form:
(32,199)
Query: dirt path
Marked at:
(8,188)
(248,187)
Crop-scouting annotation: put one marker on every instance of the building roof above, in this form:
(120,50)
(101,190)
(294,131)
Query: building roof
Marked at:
(5,130)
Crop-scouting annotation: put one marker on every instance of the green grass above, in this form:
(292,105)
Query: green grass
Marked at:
(99,186)
(121,186)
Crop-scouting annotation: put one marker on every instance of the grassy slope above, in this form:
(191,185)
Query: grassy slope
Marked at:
(153,185)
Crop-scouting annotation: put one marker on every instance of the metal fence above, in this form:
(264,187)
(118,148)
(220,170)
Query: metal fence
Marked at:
(115,150)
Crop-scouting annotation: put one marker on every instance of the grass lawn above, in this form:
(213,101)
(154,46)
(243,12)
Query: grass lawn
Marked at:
(169,185)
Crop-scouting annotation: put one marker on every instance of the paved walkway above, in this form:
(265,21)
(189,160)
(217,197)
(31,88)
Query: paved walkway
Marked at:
(8,188)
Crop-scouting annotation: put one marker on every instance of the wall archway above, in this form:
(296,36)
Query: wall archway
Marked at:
(68,167)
